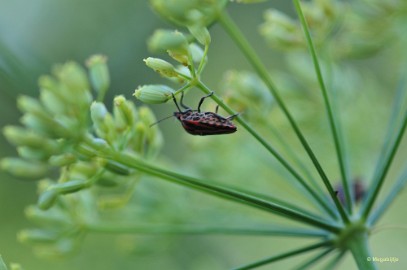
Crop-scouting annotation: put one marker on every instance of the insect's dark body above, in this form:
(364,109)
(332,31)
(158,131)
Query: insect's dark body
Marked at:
(200,123)
(204,123)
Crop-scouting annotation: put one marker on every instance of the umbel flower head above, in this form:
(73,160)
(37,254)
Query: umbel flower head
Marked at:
(69,131)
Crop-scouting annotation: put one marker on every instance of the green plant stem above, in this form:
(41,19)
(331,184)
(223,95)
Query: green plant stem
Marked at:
(252,57)
(378,182)
(321,201)
(335,261)
(331,117)
(399,99)
(285,255)
(296,160)
(105,227)
(314,259)
(358,246)
(395,190)
(205,186)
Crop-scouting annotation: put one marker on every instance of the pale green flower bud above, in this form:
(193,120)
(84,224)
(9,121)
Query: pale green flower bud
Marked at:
(47,199)
(100,144)
(162,67)
(179,57)
(52,217)
(23,168)
(74,76)
(70,186)
(23,137)
(153,93)
(163,40)
(124,111)
(197,55)
(201,34)
(32,154)
(37,236)
(62,160)
(98,113)
(53,102)
(31,105)
(99,73)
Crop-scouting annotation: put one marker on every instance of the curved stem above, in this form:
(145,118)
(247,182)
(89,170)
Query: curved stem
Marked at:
(213,189)
(320,200)
(252,57)
(333,122)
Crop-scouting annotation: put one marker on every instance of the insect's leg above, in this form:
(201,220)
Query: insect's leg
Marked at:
(232,116)
(182,102)
(175,101)
(202,100)
(217,108)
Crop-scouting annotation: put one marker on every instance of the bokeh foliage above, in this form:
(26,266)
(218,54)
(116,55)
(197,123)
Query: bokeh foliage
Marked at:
(359,91)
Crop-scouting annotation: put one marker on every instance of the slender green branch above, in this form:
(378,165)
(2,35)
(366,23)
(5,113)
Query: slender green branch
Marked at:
(103,227)
(320,200)
(314,259)
(359,248)
(335,261)
(399,99)
(395,190)
(252,57)
(296,160)
(203,60)
(285,255)
(378,182)
(331,116)
(134,162)
(277,201)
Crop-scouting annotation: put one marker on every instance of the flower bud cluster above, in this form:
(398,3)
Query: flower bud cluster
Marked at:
(68,131)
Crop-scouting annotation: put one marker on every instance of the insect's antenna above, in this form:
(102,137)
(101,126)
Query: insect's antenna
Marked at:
(176,103)
(165,118)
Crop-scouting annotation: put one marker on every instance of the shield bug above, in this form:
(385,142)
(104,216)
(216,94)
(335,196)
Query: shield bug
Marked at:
(200,123)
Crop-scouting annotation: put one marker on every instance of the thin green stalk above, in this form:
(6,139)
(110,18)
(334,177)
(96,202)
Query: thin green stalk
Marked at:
(335,261)
(320,200)
(205,186)
(395,190)
(104,227)
(358,246)
(399,99)
(277,201)
(331,116)
(314,259)
(285,255)
(296,160)
(378,182)
(252,57)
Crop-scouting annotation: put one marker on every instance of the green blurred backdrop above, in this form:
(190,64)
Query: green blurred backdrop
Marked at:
(35,35)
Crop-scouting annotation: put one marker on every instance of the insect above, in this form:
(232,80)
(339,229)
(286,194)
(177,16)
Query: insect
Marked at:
(200,123)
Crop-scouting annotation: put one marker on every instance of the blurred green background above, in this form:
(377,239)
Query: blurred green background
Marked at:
(35,35)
